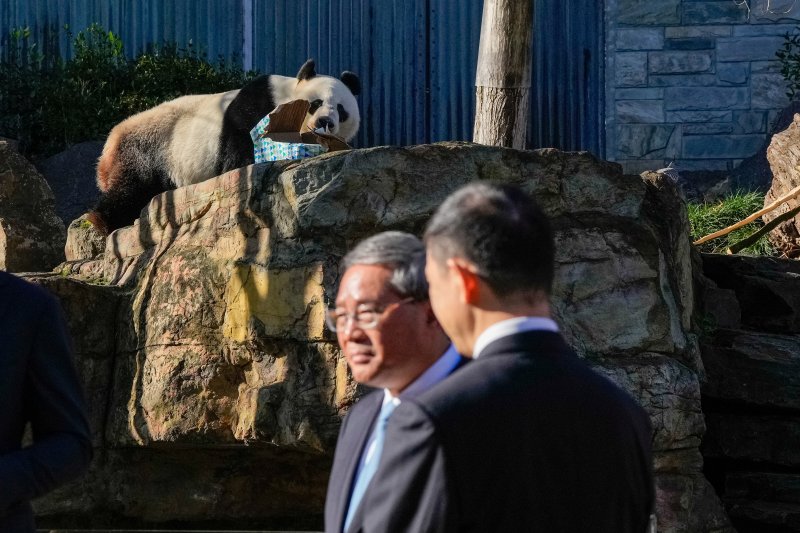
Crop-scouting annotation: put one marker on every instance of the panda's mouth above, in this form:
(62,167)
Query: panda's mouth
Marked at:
(323,125)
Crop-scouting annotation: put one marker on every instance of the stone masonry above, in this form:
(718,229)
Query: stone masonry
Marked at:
(694,82)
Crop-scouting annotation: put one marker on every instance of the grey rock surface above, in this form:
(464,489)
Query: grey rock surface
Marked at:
(84,242)
(751,356)
(221,357)
(765,288)
(783,160)
(71,175)
(31,235)
(756,368)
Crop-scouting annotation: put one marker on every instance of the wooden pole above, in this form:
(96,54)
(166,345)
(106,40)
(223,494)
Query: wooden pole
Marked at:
(766,228)
(771,207)
(503,76)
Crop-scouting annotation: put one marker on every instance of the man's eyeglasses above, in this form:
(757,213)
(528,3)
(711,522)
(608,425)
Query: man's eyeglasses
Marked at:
(337,319)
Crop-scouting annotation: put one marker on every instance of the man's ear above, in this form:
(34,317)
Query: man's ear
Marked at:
(469,283)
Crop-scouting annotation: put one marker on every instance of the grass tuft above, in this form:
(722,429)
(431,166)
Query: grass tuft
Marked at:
(708,218)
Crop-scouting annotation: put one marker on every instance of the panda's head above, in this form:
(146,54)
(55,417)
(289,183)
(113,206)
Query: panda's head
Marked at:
(333,103)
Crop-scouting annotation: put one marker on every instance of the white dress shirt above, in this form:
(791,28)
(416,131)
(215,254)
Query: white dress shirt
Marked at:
(511,326)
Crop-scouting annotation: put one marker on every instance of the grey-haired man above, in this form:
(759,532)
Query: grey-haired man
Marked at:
(391,340)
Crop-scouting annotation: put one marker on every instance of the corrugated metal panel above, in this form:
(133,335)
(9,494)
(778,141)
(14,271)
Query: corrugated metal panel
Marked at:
(417,61)
(454,39)
(416,58)
(384,42)
(287,32)
(212,26)
(566,102)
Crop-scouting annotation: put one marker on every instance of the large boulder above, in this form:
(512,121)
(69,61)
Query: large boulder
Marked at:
(784,159)
(764,289)
(31,235)
(751,391)
(225,382)
(71,175)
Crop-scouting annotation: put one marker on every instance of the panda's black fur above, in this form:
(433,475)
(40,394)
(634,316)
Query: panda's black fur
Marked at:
(196,137)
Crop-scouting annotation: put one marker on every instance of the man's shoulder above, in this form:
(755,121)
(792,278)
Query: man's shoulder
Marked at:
(27,299)
(546,369)
(469,383)
(506,360)
(15,285)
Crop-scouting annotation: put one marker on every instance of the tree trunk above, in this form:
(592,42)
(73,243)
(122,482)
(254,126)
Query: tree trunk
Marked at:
(503,78)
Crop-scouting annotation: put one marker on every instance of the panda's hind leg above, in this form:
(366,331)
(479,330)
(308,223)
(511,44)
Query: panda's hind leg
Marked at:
(122,204)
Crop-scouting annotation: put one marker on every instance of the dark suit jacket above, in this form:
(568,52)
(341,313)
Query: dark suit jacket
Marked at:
(353,435)
(525,438)
(38,384)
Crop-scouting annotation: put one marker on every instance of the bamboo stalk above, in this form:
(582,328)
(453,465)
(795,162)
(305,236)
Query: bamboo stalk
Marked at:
(771,207)
(751,239)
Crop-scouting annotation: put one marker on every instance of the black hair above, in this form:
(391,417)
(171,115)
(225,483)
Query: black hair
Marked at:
(501,231)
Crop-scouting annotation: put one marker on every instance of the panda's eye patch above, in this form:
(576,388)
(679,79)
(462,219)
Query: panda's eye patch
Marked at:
(343,115)
(316,104)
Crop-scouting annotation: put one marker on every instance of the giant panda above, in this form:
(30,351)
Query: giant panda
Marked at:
(197,137)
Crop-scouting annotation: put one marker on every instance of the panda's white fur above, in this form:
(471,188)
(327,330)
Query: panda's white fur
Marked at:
(188,129)
(196,137)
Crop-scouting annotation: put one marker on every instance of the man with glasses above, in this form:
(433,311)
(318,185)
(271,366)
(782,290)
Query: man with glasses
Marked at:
(391,340)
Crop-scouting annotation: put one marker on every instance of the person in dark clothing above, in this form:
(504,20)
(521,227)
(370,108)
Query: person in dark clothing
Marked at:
(38,386)
(391,341)
(526,437)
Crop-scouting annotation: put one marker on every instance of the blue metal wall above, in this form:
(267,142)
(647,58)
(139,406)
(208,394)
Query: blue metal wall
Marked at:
(416,58)
(213,26)
(567,99)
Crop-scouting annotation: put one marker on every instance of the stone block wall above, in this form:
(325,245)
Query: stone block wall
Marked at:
(694,82)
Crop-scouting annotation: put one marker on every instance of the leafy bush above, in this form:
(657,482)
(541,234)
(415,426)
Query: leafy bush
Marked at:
(705,219)
(789,56)
(49,104)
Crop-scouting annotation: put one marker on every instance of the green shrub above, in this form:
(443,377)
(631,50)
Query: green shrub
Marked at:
(789,56)
(705,219)
(49,104)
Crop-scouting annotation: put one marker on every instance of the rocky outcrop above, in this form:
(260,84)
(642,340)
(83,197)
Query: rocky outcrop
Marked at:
(224,390)
(764,291)
(751,394)
(83,240)
(784,159)
(71,175)
(31,235)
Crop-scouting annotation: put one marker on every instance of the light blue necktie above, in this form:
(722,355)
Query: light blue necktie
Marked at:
(370,462)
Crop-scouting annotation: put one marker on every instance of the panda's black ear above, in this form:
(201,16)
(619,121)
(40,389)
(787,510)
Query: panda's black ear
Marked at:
(307,71)
(351,81)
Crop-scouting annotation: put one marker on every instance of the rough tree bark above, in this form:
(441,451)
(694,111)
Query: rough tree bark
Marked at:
(503,77)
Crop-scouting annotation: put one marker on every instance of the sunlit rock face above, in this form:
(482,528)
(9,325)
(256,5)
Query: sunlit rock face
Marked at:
(222,379)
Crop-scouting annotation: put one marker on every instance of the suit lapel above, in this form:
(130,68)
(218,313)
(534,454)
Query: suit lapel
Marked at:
(362,429)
